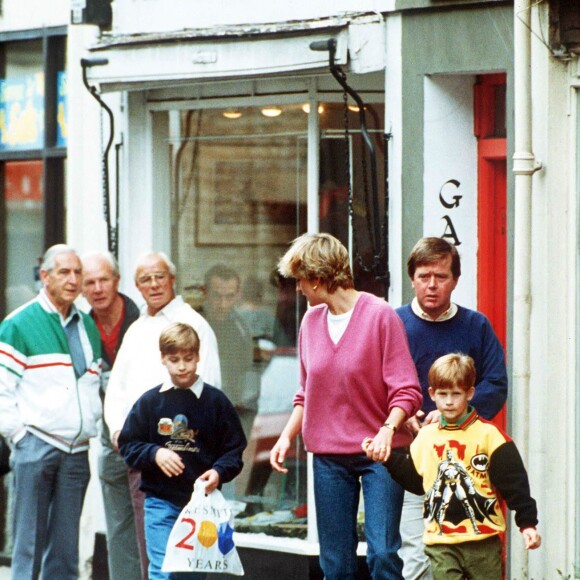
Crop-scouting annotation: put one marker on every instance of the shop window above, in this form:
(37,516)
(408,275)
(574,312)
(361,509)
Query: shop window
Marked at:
(344,157)
(23,192)
(239,181)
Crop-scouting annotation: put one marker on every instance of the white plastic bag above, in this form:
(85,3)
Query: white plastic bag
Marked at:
(202,538)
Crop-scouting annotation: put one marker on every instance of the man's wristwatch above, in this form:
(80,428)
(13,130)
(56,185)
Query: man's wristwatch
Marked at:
(389,426)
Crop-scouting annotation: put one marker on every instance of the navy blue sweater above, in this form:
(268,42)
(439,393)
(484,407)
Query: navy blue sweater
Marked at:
(205,432)
(468,332)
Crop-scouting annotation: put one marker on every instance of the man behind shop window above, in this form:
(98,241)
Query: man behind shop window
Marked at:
(236,348)
(435,327)
(113,313)
(49,408)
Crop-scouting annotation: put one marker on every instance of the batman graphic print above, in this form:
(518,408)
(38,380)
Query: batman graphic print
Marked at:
(454,463)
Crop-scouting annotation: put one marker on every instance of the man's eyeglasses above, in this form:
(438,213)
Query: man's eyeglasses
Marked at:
(147,280)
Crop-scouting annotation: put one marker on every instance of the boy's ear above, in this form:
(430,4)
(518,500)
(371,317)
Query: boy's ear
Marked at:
(432,393)
(162,359)
(470,393)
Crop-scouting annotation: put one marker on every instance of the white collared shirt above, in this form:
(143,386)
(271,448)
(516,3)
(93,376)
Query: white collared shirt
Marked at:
(138,366)
(448,314)
(196,388)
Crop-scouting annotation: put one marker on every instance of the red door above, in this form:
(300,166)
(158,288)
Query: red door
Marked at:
(492,205)
(490,130)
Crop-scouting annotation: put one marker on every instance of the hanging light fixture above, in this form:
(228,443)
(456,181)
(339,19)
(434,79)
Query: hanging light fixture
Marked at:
(271,111)
(232,114)
(306,108)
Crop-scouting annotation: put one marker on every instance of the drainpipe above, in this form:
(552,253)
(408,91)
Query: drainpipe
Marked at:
(525,165)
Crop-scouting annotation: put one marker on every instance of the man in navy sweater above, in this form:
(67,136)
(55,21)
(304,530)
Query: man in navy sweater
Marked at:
(436,327)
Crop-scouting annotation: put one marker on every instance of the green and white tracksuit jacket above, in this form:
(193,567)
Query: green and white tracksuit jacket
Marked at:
(39,391)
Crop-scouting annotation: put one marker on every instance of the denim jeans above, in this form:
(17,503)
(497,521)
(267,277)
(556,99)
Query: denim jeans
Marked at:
(160,515)
(337,484)
(49,490)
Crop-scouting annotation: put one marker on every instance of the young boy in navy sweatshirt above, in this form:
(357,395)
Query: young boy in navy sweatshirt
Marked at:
(176,433)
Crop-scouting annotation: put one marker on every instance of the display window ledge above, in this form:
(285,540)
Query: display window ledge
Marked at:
(288,545)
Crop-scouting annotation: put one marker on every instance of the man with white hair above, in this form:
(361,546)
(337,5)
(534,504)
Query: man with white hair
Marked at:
(138,366)
(50,356)
(113,313)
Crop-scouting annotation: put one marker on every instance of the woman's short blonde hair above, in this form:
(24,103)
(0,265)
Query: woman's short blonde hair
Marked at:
(178,337)
(322,256)
(452,370)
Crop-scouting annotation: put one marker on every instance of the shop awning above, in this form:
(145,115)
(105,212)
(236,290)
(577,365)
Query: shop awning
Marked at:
(144,61)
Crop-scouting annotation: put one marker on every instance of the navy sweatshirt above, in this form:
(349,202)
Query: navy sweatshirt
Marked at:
(205,432)
(468,332)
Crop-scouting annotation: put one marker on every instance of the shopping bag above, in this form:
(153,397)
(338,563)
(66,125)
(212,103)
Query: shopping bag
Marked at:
(202,537)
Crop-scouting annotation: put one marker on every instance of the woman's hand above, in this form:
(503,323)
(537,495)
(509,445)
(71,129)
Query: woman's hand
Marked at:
(212,480)
(379,448)
(278,454)
(280,450)
(169,462)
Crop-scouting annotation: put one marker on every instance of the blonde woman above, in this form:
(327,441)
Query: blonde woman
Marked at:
(357,381)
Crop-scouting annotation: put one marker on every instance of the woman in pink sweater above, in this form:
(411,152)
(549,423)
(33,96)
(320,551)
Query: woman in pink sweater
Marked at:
(357,380)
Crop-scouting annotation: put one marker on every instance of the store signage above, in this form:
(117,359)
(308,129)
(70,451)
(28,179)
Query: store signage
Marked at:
(22,112)
(61,110)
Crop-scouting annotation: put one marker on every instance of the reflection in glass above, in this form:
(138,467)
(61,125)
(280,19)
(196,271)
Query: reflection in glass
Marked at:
(24,230)
(239,197)
(342,159)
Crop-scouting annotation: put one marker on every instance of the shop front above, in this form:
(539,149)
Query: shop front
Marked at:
(222,173)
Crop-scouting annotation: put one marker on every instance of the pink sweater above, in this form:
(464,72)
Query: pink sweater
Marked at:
(349,388)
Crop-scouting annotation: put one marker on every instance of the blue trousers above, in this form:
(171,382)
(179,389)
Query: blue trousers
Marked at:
(160,515)
(49,490)
(337,485)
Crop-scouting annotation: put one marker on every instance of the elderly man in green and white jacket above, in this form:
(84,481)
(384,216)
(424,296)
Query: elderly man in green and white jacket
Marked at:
(50,357)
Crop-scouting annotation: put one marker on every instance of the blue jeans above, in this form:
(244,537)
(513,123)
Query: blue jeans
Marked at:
(160,515)
(49,490)
(337,483)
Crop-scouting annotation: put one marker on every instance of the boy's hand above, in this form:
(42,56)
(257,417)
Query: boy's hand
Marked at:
(532,538)
(212,480)
(169,462)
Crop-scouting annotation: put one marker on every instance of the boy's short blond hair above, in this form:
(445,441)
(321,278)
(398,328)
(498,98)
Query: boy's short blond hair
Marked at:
(177,337)
(452,370)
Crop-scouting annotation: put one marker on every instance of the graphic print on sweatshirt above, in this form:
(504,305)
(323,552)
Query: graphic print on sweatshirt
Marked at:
(455,504)
(182,438)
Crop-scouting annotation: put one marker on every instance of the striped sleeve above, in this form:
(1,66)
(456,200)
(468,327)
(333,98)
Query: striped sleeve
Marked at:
(12,366)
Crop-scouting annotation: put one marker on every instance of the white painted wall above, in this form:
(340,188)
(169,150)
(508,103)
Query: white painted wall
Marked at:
(552,419)
(167,15)
(27,14)
(450,153)
(394,125)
